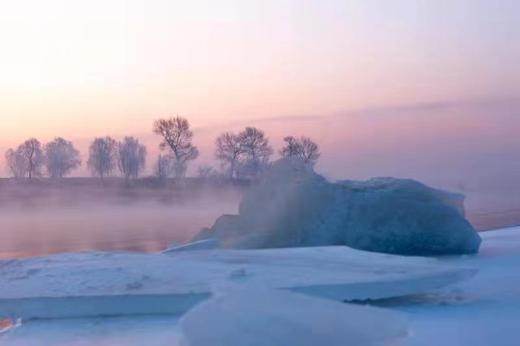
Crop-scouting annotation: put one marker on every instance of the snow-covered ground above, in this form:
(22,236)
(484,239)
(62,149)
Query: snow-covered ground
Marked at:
(102,283)
(266,317)
(483,310)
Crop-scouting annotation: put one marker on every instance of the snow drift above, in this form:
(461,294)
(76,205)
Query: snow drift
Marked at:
(293,206)
(481,311)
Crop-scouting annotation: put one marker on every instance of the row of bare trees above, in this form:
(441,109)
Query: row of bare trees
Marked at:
(241,155)
(247,153)
(128,155)
(59,158)
(28,160)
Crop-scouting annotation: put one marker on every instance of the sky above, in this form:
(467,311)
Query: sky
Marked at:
(416,88)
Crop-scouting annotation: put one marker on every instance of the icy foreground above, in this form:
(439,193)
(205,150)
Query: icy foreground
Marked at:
(481,311)
(107,284)
(292,206)
(259,317)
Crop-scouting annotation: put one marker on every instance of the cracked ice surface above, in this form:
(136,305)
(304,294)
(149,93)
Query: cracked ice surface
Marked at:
(94,284)
(482,310)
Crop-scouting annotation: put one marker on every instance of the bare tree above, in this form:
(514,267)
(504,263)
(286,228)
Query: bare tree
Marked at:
(61,158)
(31,152)
(177,136)
(303,148)
(256,149)
(292,147)
(229,151)
(16,163)
(132,157)
(310,152)
(102,156)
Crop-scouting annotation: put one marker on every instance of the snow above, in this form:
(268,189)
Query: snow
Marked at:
(483,310)
(108,284)
(293,206)
(206,244)
(263,317)
(100,331)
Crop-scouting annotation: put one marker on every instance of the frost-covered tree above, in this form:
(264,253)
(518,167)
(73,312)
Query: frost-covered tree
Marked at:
(303,148)
(31,153)
(177,137)
(16,163)
(102,156)
(229,151)
(256,150)
(131,158)
(61,158)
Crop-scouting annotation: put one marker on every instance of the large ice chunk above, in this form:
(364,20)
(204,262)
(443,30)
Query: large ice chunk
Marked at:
(293,206)
(261,317)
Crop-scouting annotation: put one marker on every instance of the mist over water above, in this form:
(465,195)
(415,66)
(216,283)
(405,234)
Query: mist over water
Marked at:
(80,214)
(45,220)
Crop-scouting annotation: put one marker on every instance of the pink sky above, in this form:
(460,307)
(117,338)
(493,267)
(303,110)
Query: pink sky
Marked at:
(85,69)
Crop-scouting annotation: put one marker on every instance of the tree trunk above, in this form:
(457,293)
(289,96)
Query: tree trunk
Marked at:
(232,170)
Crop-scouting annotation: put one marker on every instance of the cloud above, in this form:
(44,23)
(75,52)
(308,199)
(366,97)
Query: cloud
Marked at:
(481,104)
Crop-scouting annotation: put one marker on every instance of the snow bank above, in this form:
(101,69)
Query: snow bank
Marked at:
(94,284)
(293,206)
(259,317)
(479,312)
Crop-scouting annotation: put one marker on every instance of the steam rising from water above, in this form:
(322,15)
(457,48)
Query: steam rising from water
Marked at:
(43,222)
